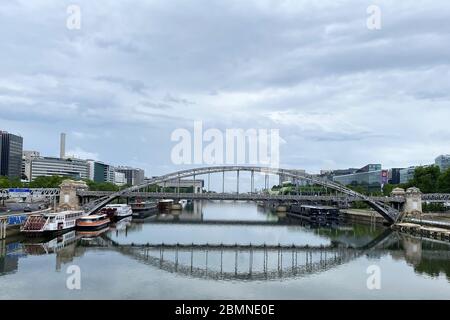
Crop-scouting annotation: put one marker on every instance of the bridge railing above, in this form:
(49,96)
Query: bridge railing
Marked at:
(235,196)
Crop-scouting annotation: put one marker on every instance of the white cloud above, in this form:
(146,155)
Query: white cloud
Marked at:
(82,154)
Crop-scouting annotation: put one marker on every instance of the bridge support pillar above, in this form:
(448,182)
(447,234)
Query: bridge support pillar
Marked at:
(3,223)
(413,201)
(281,211)
(68,199)
(399,193)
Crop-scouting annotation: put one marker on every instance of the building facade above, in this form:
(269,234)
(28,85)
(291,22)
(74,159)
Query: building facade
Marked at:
(443,162)
(27,157)
(11,148)
(197,185)
(287,179)
(370,176)
(119,178)
(394,175)
(407,174)
(134,176)
(69,167)
(101,172)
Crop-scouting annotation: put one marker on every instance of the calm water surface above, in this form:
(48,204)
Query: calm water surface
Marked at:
(215,250)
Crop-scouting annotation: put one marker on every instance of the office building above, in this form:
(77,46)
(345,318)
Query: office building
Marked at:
(370,176)
(407,174)
(69,167)
(394,175)
(119,178)
(11,147)
(197,185)
(27,156)
(329,174)
(134,176)
(101,172)
(443,162)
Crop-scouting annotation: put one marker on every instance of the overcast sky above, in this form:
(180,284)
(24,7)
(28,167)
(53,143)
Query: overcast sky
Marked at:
(342,95)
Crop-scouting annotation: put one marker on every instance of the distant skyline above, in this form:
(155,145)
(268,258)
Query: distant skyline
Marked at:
(342,95)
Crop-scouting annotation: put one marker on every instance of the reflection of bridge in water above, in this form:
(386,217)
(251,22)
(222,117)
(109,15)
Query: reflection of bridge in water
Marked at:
(244,262)
(241,262)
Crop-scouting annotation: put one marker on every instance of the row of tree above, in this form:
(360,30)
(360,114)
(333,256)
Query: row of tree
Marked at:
(54,182)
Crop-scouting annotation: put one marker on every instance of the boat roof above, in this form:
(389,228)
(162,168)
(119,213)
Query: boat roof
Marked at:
(116,205)
(93,216)
(318,207)
(52,214)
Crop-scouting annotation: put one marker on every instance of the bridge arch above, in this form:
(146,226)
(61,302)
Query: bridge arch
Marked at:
(389,213)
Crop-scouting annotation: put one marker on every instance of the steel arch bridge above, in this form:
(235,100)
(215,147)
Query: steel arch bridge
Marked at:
(388,213)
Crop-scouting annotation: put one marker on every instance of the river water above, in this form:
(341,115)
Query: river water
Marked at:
(226,250)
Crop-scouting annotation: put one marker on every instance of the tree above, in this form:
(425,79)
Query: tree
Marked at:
(444,182)
(4,182)
(101,186)
(47,182)
(426,179)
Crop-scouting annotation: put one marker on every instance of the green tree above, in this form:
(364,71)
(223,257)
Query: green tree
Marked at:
(426,179)
(444,182)
(4,182)
(47,182)
(101,186)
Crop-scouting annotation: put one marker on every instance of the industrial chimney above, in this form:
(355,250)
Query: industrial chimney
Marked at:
(62,147)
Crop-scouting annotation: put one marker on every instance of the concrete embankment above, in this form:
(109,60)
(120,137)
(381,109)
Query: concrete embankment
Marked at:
(423,230)
(431,225)
(364,216)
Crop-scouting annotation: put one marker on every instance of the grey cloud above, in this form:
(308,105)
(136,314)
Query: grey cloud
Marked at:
(143,69)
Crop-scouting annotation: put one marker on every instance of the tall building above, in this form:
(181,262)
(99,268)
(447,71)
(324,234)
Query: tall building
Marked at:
(69,167)
(11,147)
(443,162)
(134,176)
(100,171)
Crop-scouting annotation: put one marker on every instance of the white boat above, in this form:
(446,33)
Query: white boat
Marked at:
(143,206)
(117,212)
(54,222)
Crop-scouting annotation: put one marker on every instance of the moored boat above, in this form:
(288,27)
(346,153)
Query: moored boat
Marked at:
(49,223)
(143,206)
(93,222)
(116,212)
(315,212)
(165,204)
